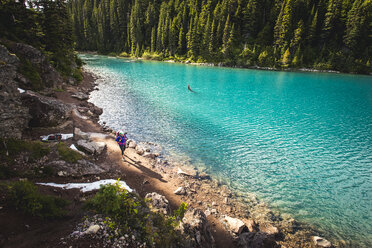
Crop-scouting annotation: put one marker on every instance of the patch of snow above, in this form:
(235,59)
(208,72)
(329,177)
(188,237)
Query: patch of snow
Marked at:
(66,136)
(73,147)
(21,90)
(85,187)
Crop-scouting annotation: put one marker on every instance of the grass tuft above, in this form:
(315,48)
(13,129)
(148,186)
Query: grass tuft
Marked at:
(67,154)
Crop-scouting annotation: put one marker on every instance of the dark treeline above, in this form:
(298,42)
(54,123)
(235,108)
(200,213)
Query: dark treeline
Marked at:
(43,24)
(322,34)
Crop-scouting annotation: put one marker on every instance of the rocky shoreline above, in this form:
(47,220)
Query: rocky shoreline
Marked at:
(235,213)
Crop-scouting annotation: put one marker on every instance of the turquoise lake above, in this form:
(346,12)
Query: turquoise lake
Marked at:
(301,141)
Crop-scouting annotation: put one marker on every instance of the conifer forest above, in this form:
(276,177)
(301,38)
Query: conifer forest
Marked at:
(320,34)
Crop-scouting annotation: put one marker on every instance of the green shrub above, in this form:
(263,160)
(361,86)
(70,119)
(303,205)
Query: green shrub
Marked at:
(23,195)
(180,212)
(67,154)
(124,54)
(79,62)
(6,172)
(31,73)
(11,148)
(78,75)
(129,213)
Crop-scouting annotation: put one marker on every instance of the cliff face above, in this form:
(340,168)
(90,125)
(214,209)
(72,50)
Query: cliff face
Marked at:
(49,77)
(24,67)
(14,116)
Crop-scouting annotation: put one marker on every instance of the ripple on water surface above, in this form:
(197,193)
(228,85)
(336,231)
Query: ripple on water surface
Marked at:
(301,141)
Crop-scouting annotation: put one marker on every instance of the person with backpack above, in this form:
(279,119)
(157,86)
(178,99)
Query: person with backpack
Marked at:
(121,139)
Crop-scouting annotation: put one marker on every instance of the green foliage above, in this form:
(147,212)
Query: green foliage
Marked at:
(180,212)
(78,75)
(23,195)
(47,26)
(124,54)
(67,154)
(11,148)
(6,172)
(31,73)
(129,213)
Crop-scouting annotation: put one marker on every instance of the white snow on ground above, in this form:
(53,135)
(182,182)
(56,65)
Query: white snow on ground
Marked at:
(85,187)
(21,90)
(73,147)
(66,136)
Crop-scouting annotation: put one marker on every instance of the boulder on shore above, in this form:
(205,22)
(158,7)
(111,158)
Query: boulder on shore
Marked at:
(321,242)
(91,147)
(131,144)
(235,225)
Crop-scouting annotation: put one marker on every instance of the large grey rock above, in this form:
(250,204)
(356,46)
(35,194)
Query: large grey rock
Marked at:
(81,96)
(196,227)
(321,242)
(256,240)
(91,147)
(80,168)
(93,229)
(45,111)
(49,76)
(14,116)
(78,134)
(158,202)
(140,150)
(235,225)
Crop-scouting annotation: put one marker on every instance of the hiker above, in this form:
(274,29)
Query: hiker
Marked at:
(121,139)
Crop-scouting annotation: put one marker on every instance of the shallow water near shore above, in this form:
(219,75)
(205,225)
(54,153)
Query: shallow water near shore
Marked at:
(300,141)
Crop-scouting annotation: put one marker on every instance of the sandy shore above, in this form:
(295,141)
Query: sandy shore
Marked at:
(148,174)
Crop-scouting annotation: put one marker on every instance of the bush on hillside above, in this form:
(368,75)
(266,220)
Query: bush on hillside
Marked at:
(23,195)
(130,214)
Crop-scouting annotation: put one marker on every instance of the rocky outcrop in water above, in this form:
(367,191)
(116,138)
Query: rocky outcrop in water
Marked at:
(14,116)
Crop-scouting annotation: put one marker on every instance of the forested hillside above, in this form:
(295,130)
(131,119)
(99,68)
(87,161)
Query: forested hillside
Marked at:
(43,24)
(321,34)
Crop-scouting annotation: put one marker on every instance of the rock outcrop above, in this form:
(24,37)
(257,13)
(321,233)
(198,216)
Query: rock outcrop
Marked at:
(158,202)
(91,147)
(196,226)
(14,117)
(235,225)
(80,168)
(49,76)
(45,111)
